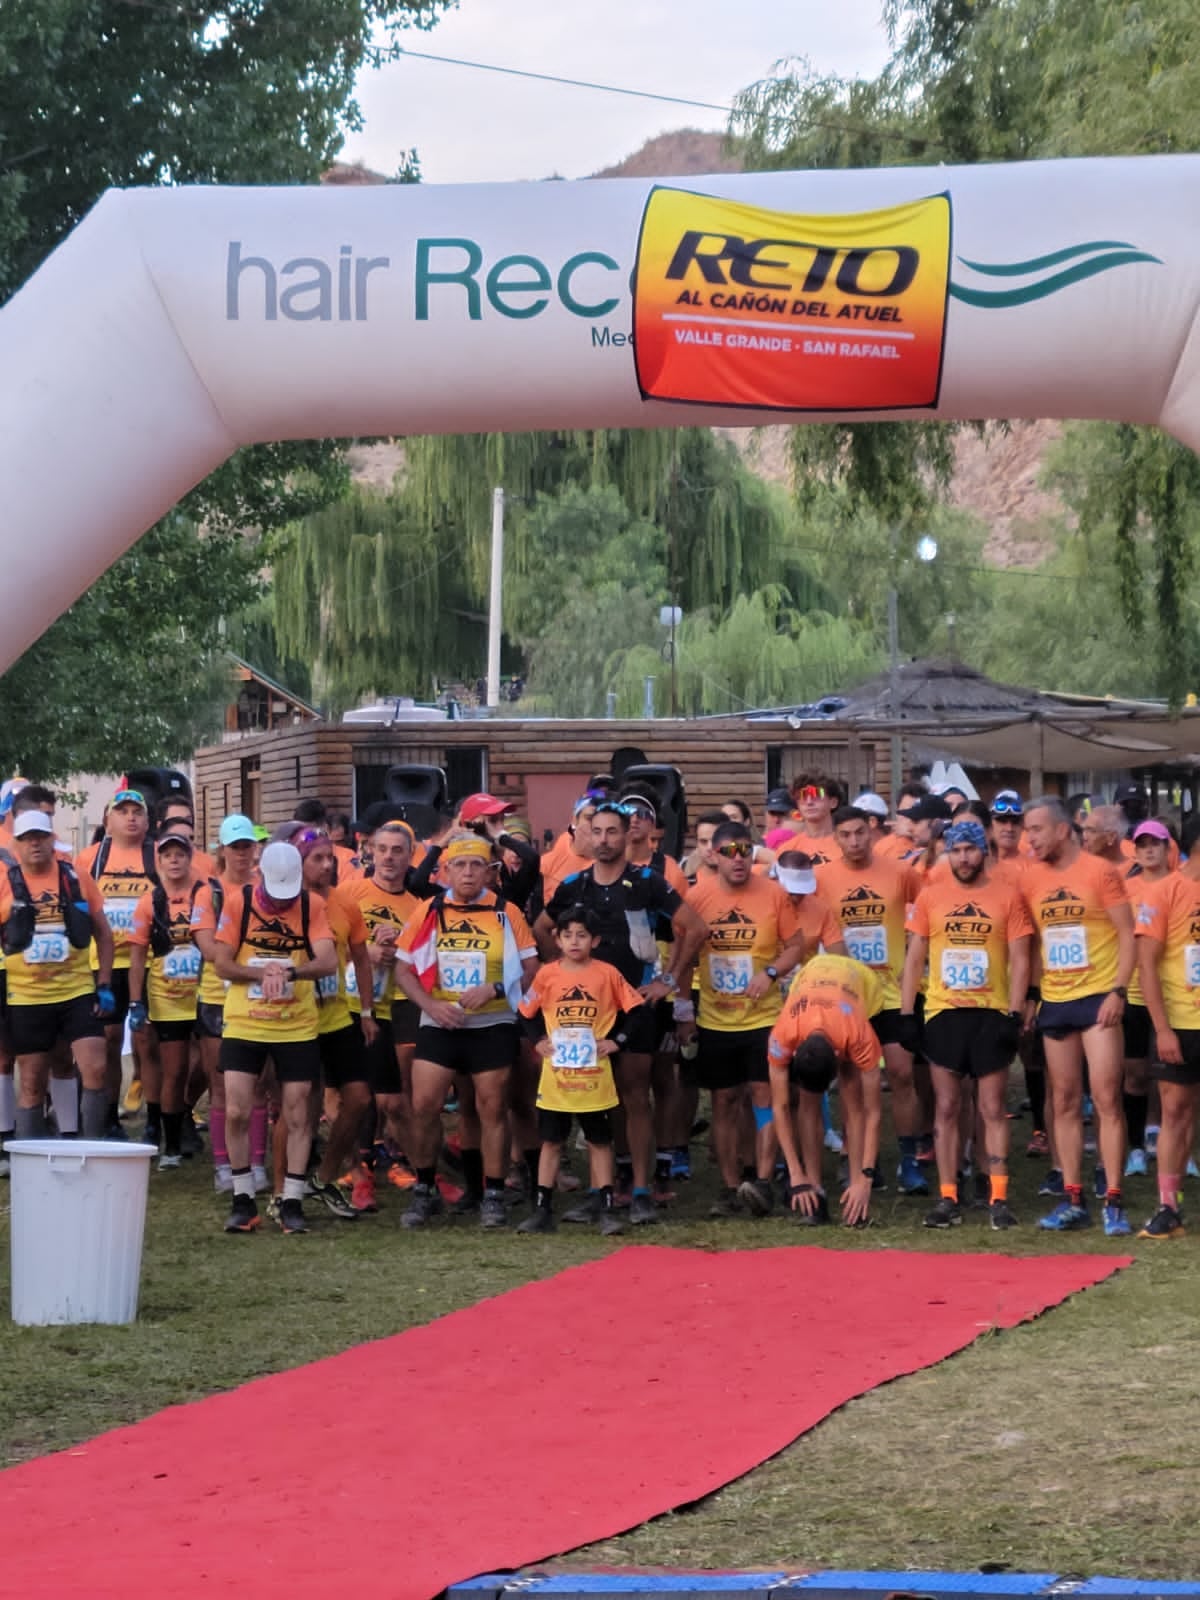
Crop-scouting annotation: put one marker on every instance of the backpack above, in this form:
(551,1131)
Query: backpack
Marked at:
(22,918)
(149,865)
(161,942)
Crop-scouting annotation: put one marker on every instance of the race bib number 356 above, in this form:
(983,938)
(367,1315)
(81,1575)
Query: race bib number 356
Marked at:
(868,945)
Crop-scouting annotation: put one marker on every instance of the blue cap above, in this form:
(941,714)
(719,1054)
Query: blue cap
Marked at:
(238,829)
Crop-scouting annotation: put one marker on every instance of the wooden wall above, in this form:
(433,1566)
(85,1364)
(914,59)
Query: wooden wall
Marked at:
(719,757)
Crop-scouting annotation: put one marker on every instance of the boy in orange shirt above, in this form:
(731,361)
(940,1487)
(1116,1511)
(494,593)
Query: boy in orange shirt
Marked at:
(575,1011)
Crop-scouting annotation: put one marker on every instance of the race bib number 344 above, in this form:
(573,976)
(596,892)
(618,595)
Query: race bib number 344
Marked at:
(460,970)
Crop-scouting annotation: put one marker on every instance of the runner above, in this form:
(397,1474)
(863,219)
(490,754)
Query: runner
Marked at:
(753,943)
(1168,946)
(817,798)
(576,1011)
(876,809)
(870,897)
(273,945)
(571,852)
(164,984)
(627,902)
(1152,847)
(824,1033)
(236,852)
(975,932)
(175,815)
(122,866)
(465,961)
(50,914)
(701,865)
(1085,926)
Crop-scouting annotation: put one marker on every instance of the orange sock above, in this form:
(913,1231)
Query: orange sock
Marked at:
(950,1192)
(999,1186)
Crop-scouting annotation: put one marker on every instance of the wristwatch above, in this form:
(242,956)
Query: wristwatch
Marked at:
(870,1172)
(498,989)
(1123,993)
(670,981)
(772,973)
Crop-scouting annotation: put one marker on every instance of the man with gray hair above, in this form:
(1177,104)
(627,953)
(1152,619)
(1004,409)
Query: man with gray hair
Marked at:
(1084,924)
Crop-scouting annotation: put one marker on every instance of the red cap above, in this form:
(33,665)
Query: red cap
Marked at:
(484,805)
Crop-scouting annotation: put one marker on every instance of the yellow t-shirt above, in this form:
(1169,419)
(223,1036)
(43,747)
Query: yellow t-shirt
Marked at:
(469,950)
(1169,912)
(348,927)
(122,884)
(747,928)
(51,970)
(579,1007)
(204,917)
(1069,907)
(377,907)
(969,928)
(274,936)
(871,904)
(173,980)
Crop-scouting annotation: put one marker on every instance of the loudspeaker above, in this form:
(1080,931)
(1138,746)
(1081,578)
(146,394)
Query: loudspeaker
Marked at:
(155,784)
(418,786)
(628,755)
(663,785)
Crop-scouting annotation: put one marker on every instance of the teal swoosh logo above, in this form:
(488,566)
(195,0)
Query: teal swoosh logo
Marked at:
(1090,259)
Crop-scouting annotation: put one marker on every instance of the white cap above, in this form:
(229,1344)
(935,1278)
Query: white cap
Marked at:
(797,880)
(282,871)
(870,802)
(32,822)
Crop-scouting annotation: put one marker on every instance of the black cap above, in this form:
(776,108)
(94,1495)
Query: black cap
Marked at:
(780,800)
(929,808)
(1127,792)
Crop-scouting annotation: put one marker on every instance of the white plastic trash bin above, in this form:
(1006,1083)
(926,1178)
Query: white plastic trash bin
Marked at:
(78,1218)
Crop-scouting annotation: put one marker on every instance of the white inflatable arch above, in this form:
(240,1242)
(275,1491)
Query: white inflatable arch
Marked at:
(173,326)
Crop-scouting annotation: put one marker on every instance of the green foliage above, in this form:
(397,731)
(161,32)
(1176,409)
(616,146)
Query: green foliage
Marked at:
(133,673)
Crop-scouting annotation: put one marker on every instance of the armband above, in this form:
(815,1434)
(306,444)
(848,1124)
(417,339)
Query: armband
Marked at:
(684,1011)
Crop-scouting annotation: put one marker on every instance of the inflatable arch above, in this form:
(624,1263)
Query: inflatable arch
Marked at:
(173,326)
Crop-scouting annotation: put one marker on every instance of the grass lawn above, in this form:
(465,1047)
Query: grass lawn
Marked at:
(1066,1445)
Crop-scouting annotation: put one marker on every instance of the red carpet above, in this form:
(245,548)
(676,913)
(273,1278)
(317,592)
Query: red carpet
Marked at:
(659,1357)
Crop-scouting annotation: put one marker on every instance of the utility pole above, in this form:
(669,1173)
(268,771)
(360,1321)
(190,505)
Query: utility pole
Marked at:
(893,617)
(496,600)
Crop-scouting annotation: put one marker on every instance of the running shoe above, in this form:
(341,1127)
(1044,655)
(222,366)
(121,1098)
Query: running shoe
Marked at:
(589,1210)
(134,1100)
(727,1204)
(912,1179)
(333,1199)
(834,1141)
(400,1176)
(755,1194)
(1000,1217)
(540,1220)
(493,1213)
(262,1181)
(1052,1184)
(1166,1223)
(223,1180)
(168,1163)
(1135,1164)
(1191,1170)
(946,1214)
(243,1216)
(291,1217)
(1066,1218)
(362,1194)
(681,1163)
(1039,1143)
(610,1224)
(642,1210)
(1116,1223)
(812,1219)
(424,1204)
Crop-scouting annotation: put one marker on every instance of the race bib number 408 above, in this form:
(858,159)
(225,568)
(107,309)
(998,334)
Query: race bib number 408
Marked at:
(1065,949)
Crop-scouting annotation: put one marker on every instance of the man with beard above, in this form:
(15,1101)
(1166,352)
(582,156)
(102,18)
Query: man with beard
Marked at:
(976,933)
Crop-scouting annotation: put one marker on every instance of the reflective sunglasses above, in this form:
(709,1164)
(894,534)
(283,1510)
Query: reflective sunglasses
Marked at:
(735,849)
(811,792)
(1008,808)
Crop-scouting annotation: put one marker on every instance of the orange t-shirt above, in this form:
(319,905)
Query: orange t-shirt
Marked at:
(122,884)
(747,928)
(833,996)
(204,917)
(173,980)
(1169,912)
(821,929)
(871,903)
(1070,907)
(561,861)
(273,936)
(893,847)
(579,1006)
(969,928)
(51,969)
(348,927)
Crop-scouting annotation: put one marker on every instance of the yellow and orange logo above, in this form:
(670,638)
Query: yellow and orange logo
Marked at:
(736,306)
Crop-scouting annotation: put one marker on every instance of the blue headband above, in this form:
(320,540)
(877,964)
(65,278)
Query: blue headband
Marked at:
(966,832)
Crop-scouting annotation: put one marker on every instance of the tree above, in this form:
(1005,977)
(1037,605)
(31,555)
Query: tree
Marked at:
(126,92)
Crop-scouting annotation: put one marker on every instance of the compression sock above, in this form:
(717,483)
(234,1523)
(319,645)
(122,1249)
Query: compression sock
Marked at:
(94,1113)
(999,1186)
(1135,1119)
(472,1165)
(1035,1088)
(153,1121)
(64,1097)
(216,1134)
(30,1122)
(172,1124)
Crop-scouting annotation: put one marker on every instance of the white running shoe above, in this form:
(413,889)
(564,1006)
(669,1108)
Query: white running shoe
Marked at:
(834,1141)
(223,1180)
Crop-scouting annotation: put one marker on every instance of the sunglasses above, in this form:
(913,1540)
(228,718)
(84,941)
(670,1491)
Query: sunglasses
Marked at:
(811,792)
(735,850)
(640,811)
(1008,808)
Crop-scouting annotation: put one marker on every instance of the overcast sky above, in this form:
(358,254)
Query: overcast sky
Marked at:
(471,126)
